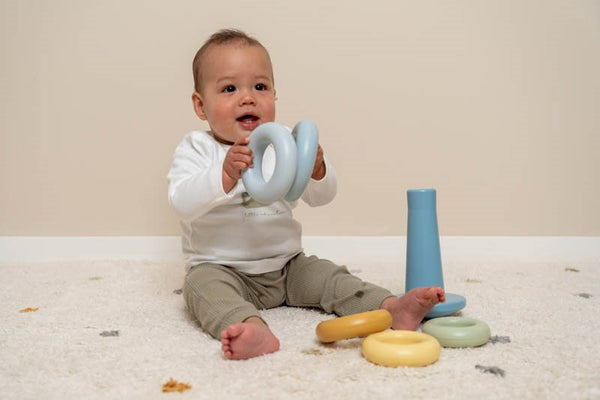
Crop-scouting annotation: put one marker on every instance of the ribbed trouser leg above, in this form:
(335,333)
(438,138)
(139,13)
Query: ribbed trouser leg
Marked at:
(314,282)
(219,296)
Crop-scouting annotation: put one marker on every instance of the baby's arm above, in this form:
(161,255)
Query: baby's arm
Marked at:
(238,158)
(196,177)
(322,188)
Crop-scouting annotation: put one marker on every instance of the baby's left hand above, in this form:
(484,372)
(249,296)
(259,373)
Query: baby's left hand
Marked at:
(319,170)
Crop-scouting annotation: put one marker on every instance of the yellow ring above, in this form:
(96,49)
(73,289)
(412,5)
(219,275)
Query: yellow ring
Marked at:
(401,348)
(354,325)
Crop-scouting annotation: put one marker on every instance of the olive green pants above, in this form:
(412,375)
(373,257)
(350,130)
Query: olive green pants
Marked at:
(219,296)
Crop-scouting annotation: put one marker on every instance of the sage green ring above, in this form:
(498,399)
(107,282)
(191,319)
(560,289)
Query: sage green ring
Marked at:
(458,331)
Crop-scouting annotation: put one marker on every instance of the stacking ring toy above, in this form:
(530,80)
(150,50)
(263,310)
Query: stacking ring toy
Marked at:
(401,348)
(458,331)
(354,325)
(294,161)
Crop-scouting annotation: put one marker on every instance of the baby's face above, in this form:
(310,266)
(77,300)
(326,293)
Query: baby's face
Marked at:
(238,93)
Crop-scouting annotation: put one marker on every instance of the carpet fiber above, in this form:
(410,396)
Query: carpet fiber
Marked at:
(120,330)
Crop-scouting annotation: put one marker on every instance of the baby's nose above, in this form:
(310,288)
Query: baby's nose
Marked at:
(247,98)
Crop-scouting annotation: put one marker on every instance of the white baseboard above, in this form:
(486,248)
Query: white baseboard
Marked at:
(342,249)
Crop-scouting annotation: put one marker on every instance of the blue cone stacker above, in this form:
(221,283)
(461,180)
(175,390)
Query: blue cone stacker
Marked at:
(423,257)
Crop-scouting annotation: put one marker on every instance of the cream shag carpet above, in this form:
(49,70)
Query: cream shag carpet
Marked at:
(120,330)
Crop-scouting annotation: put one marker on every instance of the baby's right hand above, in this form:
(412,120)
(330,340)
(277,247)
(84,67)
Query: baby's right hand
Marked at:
(238,158)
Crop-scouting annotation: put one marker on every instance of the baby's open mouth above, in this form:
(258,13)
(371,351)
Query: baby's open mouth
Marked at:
(248,122)
(247,118)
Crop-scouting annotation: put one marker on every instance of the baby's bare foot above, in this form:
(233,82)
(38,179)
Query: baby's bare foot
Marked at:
(248,339)
(409,310)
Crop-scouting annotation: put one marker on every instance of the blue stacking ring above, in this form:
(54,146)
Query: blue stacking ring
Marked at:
(294,161)
(307,142)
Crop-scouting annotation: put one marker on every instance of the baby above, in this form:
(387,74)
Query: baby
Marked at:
(243,256)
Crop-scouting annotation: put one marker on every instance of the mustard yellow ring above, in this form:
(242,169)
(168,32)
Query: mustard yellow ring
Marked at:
(401,348)
(355,325)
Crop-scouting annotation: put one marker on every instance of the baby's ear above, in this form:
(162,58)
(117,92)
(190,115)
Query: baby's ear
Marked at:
(198,106)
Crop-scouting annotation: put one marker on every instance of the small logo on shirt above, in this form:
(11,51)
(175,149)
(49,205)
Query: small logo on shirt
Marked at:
(262,213)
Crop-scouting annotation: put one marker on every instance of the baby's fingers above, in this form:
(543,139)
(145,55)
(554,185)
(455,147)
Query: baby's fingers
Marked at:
(319,154)
(243,154)
(244,159)
(243,141)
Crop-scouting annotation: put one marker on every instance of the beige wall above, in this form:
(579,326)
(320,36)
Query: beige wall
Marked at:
(496,104)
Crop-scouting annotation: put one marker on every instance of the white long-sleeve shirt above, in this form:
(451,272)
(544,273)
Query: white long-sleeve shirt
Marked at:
(230,228)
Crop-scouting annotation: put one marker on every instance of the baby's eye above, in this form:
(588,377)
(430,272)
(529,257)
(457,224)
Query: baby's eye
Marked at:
(228,89)
(260,86)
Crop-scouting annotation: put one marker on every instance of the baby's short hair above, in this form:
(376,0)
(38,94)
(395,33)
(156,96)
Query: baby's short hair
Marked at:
(224,36)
